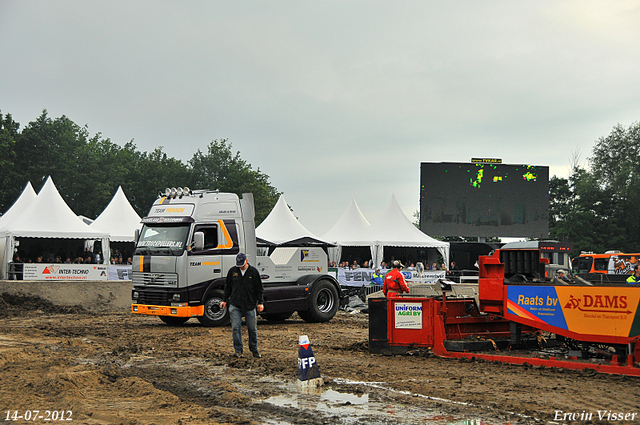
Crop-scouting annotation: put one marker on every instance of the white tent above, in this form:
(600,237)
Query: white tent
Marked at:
(281,227)
(47,216)
(119,219)
(351,224)
(393,228)
(26,197)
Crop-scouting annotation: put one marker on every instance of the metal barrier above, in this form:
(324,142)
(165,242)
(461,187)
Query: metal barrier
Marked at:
(463,276)
(370,289)
(361,292)
(467,289)
(15,271)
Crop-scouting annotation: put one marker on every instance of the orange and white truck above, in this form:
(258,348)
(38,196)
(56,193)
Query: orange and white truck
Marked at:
(189,241)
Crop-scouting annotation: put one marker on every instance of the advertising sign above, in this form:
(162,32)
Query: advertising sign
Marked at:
(44,271)
(609,311)
(622,264)
(408,315)
(175,210)
(119,272)
(360,277)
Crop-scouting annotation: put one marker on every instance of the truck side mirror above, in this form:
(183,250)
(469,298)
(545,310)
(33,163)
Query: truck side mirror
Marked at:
(198,238)
(136,236)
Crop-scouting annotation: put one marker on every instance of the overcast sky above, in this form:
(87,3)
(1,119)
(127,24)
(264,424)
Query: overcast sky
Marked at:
(333,100)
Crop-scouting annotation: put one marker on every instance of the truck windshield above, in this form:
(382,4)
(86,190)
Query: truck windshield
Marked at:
(155,239)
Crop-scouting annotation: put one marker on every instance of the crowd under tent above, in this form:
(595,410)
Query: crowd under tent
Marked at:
(281,228)
(47,224)
(121,221)
(393,235)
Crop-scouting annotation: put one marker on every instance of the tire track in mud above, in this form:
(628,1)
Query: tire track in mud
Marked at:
(120,368)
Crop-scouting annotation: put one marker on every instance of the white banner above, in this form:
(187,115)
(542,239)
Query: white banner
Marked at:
(119,272)
(44,271)
(408,315)
(360,277)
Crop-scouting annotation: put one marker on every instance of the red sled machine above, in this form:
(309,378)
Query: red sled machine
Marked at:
(520,317)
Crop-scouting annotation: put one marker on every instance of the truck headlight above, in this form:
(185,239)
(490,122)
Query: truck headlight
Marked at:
(176,297)
(135,295)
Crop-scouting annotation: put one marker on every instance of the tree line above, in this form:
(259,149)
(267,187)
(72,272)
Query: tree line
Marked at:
(87,170)
(596,207)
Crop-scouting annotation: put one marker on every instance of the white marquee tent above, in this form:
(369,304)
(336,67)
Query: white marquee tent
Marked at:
(26,197)
(350,226)
(392,228)
(281,227)
(119,219)
(47,216)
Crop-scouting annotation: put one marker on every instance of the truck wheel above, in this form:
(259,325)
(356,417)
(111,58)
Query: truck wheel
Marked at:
(277,317)
(174,321)
(323,301)
(213,314)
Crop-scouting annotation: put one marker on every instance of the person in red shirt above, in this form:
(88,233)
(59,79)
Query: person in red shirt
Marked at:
(394,283)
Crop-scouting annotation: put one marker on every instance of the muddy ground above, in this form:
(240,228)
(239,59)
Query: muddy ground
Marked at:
(126,369)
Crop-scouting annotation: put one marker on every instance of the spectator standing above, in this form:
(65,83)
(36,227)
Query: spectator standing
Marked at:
(376,277)
(243,292)
(562,277)
(634,279)
(394,283)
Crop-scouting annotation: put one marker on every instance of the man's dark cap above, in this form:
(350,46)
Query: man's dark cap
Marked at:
(240,259)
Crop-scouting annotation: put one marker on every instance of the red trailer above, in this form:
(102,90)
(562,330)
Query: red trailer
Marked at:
(522,317)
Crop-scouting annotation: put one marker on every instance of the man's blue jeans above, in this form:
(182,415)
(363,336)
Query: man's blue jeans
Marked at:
(251,319)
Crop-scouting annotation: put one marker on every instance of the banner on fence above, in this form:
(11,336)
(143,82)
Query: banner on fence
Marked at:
(119,272)
(44,271)
(360,277)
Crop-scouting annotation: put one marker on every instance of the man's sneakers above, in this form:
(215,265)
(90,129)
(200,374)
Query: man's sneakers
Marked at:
(256,354)
(237,354)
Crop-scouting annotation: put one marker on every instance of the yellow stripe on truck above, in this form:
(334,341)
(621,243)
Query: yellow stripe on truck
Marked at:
(228,242)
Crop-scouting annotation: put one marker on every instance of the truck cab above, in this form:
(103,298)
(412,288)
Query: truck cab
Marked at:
(188,243)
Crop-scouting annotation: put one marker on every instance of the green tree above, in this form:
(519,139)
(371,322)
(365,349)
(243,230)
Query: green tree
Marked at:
(575,211)
(48,147)
(221,169)
(596,208)
(10,181)
(78,164)
(155,172)
(615,167)
(87,170)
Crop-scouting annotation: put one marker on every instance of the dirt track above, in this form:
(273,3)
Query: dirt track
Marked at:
(120,368)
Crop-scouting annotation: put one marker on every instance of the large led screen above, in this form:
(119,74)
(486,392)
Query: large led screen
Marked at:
(484,199)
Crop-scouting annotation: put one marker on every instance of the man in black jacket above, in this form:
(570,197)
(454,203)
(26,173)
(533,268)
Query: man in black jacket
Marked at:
(243,292)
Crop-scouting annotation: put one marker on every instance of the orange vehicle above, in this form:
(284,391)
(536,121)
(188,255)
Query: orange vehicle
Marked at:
(611,262)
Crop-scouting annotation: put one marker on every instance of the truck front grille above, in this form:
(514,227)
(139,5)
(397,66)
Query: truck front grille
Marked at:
(159,279)
(147,297)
